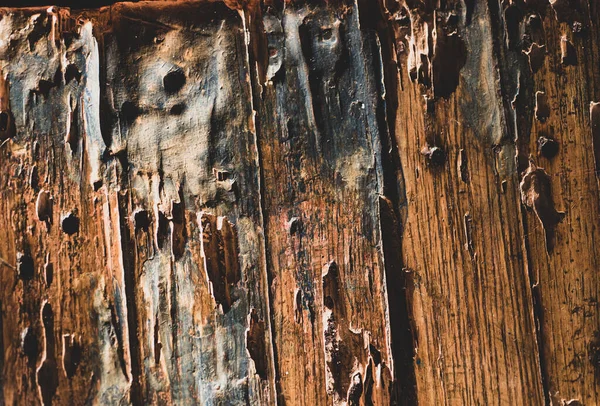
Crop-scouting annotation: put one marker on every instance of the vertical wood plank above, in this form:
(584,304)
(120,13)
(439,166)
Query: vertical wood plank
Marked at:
(319,129)
(471,303)
(64,332)
(555,81)
(132,197)
(180,122)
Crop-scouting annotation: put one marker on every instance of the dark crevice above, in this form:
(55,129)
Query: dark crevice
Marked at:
(25,266)
(30,347)
(49,273)
(129,113)
(141,220)
(392,207)
(70,224)
(174,313)
(72,72)
(48,372)
(255,343)
(116,319)
(128,248)
(3,121)
(74,135)
(43,206)
(258,55)
(221,257)
(157,343)
(179,232)
(163,231)
(72,356)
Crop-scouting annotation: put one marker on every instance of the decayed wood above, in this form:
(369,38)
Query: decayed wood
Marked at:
(563,251)
(300,202)
(462,239)
(152,226)
(178,102)
(63,298)
(319,140)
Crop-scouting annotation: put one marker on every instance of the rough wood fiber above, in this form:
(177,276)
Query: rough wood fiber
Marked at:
(462,238)
(563,255)
(63,292)
(425,170)
(319,135)
(161,240)
(178,108)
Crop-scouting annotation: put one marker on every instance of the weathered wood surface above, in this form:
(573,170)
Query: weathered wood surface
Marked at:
(319,139)
(343,202)
(557,54)
(462,239)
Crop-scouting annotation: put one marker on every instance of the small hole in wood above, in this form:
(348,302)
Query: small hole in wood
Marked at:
(142,220)
(26,267)
(70,224)
(129,112)
(72,73)
(326,34)
(177,109)
(548,147)
(174,81)
(221,175)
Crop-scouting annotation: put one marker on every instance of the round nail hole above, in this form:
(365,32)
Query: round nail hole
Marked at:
(547,147)
(174,81)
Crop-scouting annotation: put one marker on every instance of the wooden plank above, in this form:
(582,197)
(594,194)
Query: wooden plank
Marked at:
(63,301)
(462,244)
(151,148)
(319,130)
(178,101)
(556,80)
(425,173)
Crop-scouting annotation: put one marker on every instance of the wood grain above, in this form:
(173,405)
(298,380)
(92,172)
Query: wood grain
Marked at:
(562,256)
(462,239)
(300,202)
(319,135)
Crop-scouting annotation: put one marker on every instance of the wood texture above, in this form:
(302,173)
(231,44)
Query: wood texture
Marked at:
(300,202)
(319,140)
(563,256)
(462,237)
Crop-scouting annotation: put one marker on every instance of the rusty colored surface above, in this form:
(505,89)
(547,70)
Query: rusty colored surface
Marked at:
(299,202)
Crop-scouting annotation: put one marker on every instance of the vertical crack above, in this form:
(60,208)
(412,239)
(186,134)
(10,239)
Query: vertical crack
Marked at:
(392,205)
(128,250)
(257,58)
